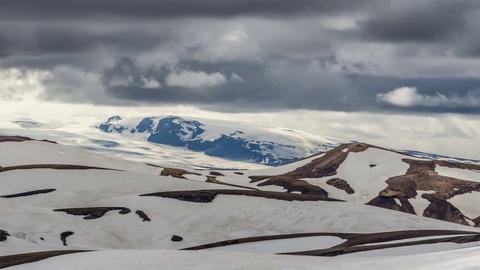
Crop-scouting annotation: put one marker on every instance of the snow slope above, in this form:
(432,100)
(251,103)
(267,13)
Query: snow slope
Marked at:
(465,259)
(130,216)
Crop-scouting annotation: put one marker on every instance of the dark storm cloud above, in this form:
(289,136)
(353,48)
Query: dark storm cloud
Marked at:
(41,39)
(50,9)
(417,21)
(247,55)
(291,86)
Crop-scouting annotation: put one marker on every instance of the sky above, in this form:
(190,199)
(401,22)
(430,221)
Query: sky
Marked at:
(403,73)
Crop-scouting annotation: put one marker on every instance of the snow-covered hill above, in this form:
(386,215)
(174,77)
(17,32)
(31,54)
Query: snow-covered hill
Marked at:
(58,200)
(239,141)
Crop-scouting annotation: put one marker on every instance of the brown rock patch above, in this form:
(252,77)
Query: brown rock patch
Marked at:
(177,173)
(64,235)
(206,196)
(292,185)
(142,215)
(212,179)
(18,259)
(29,193)
(341,184)
(3,235)
(20,139)
(52,166)
(93,212)
(443,210)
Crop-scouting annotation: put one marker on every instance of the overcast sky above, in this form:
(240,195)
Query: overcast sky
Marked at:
(409,58)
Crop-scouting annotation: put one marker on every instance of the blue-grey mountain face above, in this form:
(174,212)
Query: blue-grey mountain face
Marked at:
(178,132)
(108,127)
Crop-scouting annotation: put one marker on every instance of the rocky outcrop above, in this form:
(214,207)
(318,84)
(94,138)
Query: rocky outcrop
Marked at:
(293,185)
(177,173)
(325,165)
(142,215)
(206,196)
(64,235)
(176,238)
(341,184)
(20,139)
(93,212)
(390,203)
(421,176)
(29,193)
(3,235)
(443,210)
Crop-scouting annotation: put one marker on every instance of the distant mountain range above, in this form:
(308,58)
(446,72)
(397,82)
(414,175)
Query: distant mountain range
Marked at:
(232,140)
(238,141)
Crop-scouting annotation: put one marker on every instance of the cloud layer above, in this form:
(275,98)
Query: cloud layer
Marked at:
(244,56)
(409,97)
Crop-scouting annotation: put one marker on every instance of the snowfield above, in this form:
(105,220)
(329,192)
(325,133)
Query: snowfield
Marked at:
(130,215)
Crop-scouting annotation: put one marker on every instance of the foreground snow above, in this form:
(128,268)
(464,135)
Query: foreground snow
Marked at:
(464,259)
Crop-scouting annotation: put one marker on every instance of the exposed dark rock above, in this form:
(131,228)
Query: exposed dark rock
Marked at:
(188,196)
(41,238)
(18,259)
(388,203)
(216,173)
(124,211)
(92,212)
(52,166)
(443,210)
(14,139)
(239,173)
(372,165)
(341,184)
(358,242)
(177,173)
(142,215)
(292,185)
(325,165)
(465,166)
(29,193)
(420,166)
(257,178)
(213,179)
(177,238)
(477,221)
(3,235)
(20,139)
(206,196)
(64,235)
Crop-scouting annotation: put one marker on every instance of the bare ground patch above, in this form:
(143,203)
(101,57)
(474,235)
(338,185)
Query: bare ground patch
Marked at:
(29,193)
(177,173)
(17,259)
(326,165)
(212,179)
(93,212)
(341,184)
(421,176)
(358,242)
(20,139)
(207,196)
(52,166)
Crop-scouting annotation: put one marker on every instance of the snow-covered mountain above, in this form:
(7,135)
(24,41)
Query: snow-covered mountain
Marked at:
(238,141)
(365,206)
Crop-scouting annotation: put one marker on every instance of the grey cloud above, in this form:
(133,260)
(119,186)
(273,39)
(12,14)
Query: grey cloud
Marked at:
(417,21)
(321,55)
(51,9)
